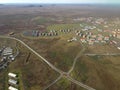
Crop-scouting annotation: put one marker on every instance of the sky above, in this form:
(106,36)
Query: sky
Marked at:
(61,1)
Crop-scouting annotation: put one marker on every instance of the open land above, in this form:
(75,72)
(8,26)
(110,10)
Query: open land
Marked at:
(62,47)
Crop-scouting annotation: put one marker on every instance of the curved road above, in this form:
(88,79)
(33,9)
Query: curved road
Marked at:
(75,60)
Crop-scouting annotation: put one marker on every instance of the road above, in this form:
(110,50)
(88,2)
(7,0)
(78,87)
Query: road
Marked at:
(53,82)
(106,54)
(75,60)
(79,83)
(62,73)
(52,66)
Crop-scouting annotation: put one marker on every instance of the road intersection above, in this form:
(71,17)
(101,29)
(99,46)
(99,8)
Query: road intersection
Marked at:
(62,73)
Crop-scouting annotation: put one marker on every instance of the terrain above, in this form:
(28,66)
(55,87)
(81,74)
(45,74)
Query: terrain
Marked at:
(71,60)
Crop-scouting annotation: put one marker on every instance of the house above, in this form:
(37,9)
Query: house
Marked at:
(11,33)
(12,88)
(93,36)
(91,42)
(83,40)
(118,35)
(12,82)
(4,58)
(12,75)
(69,40)
(74,39)
(118,48)
(99,38)
(106,38)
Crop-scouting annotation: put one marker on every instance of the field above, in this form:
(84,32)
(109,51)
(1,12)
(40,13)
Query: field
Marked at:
(101,72)
(66,85)
(31,70)
(58,51)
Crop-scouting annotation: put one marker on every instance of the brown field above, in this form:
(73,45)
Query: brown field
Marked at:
(64,84)
(56,50)
(99,72)
(32,71)
(19,18)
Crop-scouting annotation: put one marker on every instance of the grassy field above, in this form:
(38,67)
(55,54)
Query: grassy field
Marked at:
(3,79)
(102,49)
(56,50)
(59,27)
(98,72)
(33,73)
(64,84)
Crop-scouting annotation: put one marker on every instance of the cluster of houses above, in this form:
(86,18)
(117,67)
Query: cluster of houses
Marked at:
(86,28)
(65,30)
(6,55)
(72,39)
(92,20)
(13,81)
(116,33)
(90,38)
(36,33)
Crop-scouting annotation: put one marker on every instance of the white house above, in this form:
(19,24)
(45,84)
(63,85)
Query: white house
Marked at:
(12,88)
(12,75)
(13,82)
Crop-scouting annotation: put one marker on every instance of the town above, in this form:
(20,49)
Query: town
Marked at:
(90,31)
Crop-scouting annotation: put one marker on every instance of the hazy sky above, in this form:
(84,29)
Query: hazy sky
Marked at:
(59,1)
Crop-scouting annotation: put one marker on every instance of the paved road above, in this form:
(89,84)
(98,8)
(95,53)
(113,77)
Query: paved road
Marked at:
(53,67)
(79,83)
(17,53)
(53,82)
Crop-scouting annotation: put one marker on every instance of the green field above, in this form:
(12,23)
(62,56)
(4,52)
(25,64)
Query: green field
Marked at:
(99,72)
(64,84)
(31,70)
(59,27)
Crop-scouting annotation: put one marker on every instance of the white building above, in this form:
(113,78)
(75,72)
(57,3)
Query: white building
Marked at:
(12,75)
(12,88)
(12,82)
(118,48)
(7,51)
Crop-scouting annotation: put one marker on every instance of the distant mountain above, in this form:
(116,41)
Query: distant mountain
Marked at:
(34,5)
(1,4)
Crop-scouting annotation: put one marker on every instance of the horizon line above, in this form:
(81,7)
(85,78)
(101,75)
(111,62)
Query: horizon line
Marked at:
(55,3)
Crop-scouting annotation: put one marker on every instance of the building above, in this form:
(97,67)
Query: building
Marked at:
(12,82)
(83,40)
(91,42)
(11,33)
(12,75)
(118,48)
(106,38)
(7,51)
(12,88)
(118,36)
